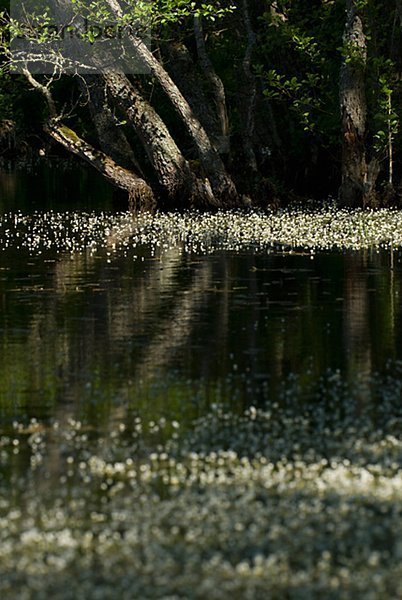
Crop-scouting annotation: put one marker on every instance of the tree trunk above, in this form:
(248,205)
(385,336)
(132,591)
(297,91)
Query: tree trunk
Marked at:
(111,137)
(353,190)
(223,187)
(172,170)
(248,94)
(184,73)
(218,90)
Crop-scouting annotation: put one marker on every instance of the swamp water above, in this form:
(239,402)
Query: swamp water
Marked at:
(200,406)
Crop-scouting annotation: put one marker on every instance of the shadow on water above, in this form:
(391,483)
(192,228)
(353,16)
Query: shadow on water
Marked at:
(62,185)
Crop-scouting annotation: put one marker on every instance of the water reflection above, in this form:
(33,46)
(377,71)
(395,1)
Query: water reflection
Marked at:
(61,185)
(94,334)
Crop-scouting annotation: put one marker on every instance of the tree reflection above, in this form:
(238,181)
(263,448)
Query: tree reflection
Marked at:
(356,330)
(99,331)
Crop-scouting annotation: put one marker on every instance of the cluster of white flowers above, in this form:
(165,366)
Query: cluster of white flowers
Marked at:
(314,229)
(299,498)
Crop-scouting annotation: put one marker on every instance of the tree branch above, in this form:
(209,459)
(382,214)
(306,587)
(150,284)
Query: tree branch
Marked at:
(44,90)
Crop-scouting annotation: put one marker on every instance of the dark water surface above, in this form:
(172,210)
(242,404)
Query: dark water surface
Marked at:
(179,424)
(88,332)
(61,186)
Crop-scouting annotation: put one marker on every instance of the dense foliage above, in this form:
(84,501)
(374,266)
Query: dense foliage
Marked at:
(299,96)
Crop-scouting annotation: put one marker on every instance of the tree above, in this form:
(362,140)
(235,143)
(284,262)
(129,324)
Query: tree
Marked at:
(369,96)
(173,180)
(235,104)
(355,184)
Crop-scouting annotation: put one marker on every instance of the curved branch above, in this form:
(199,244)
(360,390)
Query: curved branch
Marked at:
(136,187)
(138,190)
(44,90)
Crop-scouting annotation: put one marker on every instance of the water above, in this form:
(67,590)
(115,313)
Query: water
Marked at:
(81,332)
(63,186)
(189,415)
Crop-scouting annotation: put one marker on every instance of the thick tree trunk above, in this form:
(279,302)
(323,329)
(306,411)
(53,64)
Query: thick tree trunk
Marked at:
(353,190)
(111,137)
(172,170)
(222,186)
(184,73)
(217,87)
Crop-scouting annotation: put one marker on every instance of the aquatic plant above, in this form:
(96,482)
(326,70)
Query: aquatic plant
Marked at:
(286,230)
(301,496)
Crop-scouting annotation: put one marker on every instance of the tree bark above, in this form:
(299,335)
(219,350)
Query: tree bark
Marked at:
(140,194)
(172,170)
(353,110)
(184,73)
(111,137)
(249,94)
(217,87)
(222,186)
